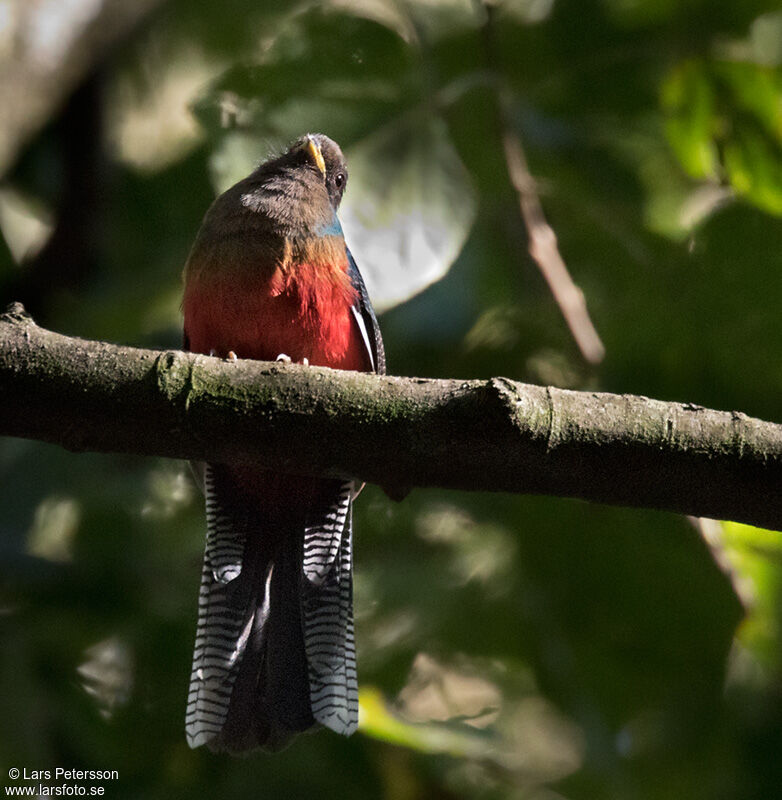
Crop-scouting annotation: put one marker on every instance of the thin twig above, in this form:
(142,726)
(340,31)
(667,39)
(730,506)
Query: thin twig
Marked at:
(542,239)
(543,249)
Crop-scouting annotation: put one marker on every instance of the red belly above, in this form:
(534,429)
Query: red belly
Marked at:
(255,322)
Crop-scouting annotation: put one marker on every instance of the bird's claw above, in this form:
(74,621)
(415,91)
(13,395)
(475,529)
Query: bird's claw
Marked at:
(230,357)
(286,359)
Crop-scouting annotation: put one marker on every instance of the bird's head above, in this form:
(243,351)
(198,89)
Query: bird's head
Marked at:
(320,153)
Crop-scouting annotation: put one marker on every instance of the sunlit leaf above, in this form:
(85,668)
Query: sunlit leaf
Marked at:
(752,148)
(377,721)
(408,209)
(755,556)
(754,167)
(724,119)
(756,90)
(688,100)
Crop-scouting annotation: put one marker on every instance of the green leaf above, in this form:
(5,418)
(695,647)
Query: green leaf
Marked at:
(755,558)
(688,100)
(754,167)
(752,89)
(457,740)
(751,99)
(733,109)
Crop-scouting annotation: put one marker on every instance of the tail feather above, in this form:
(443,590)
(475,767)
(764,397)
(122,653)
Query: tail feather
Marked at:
(323,532)
(327,611)
(222,625)
(274,649)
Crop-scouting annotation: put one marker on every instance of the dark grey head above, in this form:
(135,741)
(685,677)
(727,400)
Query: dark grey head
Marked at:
(324,155)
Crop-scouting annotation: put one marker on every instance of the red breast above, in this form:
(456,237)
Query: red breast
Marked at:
(300,309)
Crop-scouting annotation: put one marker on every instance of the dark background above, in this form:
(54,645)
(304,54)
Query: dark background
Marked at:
(509,647)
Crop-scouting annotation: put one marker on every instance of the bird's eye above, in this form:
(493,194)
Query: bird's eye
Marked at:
(339,180)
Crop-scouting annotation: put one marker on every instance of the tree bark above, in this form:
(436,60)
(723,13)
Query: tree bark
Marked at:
(494,435)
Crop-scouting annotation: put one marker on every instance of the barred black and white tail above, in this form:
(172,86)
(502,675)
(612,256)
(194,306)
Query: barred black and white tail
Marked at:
(327,610)
(274,650)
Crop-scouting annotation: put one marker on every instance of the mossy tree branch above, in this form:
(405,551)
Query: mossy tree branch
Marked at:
(495,435)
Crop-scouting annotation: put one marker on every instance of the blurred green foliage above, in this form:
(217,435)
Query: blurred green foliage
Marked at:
(509,647)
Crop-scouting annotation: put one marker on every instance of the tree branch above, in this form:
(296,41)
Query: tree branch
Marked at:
(496,435)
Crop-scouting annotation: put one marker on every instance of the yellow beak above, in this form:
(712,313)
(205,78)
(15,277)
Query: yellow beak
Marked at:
(317,156)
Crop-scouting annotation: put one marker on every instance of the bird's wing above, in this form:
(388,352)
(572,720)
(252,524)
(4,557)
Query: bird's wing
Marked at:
(366,319)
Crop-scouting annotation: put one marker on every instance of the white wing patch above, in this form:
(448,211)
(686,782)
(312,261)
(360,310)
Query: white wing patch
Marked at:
(364,334)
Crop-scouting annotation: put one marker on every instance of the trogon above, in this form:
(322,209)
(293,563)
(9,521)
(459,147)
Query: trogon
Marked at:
(270,277)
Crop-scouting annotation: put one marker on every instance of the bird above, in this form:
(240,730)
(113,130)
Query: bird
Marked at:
(270,277)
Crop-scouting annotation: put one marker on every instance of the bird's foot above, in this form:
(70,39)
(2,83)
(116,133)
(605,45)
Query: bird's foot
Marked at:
(230,357)
(286,359)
